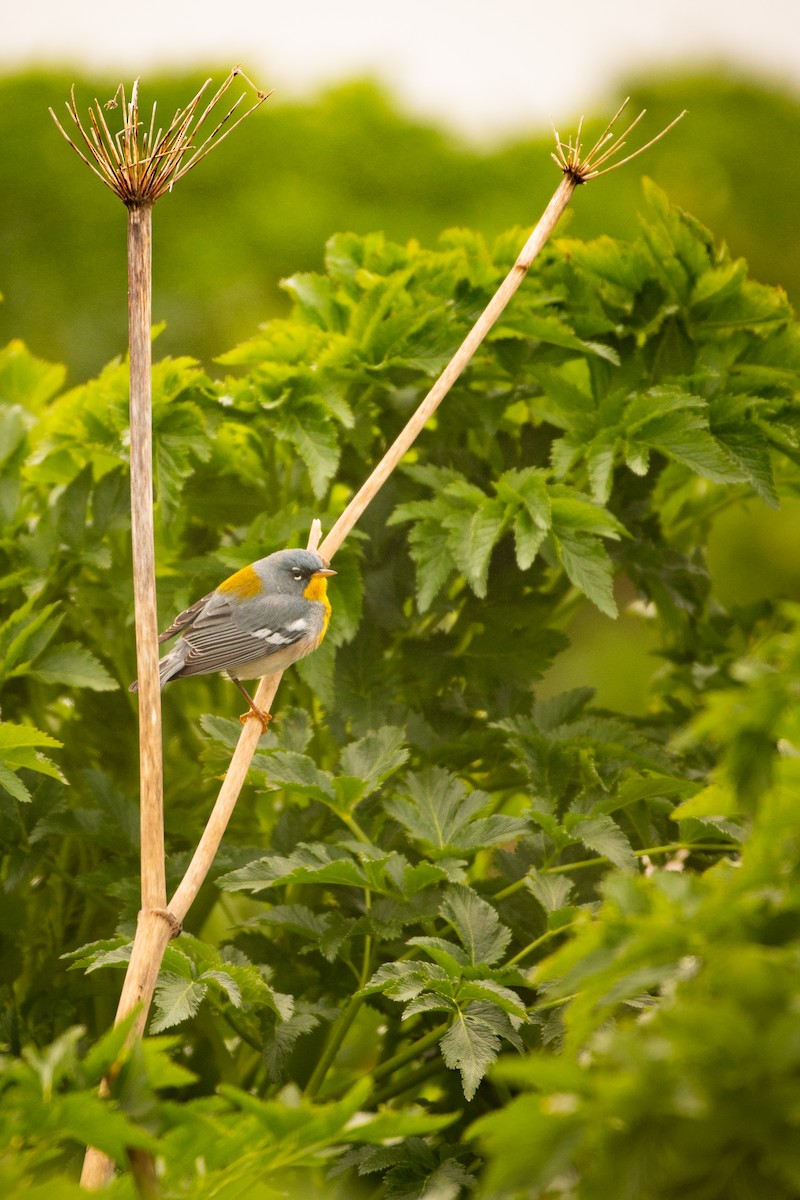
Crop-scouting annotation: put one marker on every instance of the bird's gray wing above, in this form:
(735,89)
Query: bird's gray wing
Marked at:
(221,637)
(185,619)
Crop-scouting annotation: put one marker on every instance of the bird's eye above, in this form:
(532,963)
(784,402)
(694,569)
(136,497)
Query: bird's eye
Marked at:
(297,573)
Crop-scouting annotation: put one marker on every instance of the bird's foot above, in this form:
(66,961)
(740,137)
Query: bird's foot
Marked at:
(257,715)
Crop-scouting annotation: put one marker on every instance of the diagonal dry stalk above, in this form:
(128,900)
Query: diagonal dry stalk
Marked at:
(125,162)
(576,170)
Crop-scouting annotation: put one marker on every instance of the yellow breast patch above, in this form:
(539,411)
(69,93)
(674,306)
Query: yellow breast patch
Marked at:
(245,584)
(317,589)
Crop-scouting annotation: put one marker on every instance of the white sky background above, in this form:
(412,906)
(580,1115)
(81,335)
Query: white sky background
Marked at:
(482,66)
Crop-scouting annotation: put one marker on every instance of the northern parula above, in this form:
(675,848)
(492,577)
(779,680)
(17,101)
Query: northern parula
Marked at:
(257,622)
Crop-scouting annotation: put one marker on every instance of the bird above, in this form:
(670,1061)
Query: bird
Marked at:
(257,622)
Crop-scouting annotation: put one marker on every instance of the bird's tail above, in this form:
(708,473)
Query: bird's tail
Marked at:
(170,666)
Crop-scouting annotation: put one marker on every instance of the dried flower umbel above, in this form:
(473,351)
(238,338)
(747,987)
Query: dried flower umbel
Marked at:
(141,162)
(579,166)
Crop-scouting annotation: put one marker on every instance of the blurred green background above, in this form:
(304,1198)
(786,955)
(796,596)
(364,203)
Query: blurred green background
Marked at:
(262,206)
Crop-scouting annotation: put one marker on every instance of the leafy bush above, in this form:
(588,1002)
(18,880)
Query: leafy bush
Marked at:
(433,864)
(349,158)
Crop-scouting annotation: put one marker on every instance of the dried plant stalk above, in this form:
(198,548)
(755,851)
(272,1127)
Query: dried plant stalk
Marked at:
(151,808)
(139,164)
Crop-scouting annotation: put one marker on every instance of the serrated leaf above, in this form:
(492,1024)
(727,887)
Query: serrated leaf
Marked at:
(403,980)
(314,437)
(439,813)
(176,999)
(228,984)
(494,993)
(552,891)
(376,756)
(477,925)
(473,537)
(451,958)
(429,543)
(279,1045)
(676,423)
(528,539)
(561,709)
(73,665)
(11,783)
(473,1042)
(716,800)
(747,447)
(299,772)
(309,863)
(604,836)
(588,566)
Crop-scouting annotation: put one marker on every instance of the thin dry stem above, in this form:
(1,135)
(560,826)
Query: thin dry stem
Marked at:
(151,816)
(138,165)
(544,228)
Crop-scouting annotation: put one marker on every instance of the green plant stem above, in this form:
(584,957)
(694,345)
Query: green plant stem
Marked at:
(410,1082)
(599,860)
(546,937)
(410,1052)
(353,825)
(337,1035)
(544,1005)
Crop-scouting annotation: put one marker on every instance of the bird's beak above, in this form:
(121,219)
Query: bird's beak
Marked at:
(325,571)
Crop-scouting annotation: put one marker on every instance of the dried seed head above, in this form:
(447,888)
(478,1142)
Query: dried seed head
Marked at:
(140,162)
(579,166)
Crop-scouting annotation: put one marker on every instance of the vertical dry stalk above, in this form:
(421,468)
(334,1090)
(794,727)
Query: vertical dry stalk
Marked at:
(139,164)
(151,810)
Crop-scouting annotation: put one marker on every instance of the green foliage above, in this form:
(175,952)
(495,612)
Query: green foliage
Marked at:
(451,910)
(346,159)
(677,1069)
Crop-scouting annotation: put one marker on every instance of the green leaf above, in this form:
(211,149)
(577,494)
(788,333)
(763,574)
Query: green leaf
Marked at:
(298,772)
(440,814)
(604,836)
(477,925)
(11,783)
(552,891)
(494,993)
(472,541)
(19,750)
(588,566)
(677,425)
(176,999)
(316,863)
(313,435)
(74,666)
(716,800)
(452,959)
(376,756)
(403,981)
(473,1042)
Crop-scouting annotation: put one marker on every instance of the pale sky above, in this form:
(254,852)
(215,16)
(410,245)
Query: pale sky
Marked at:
(481,66)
